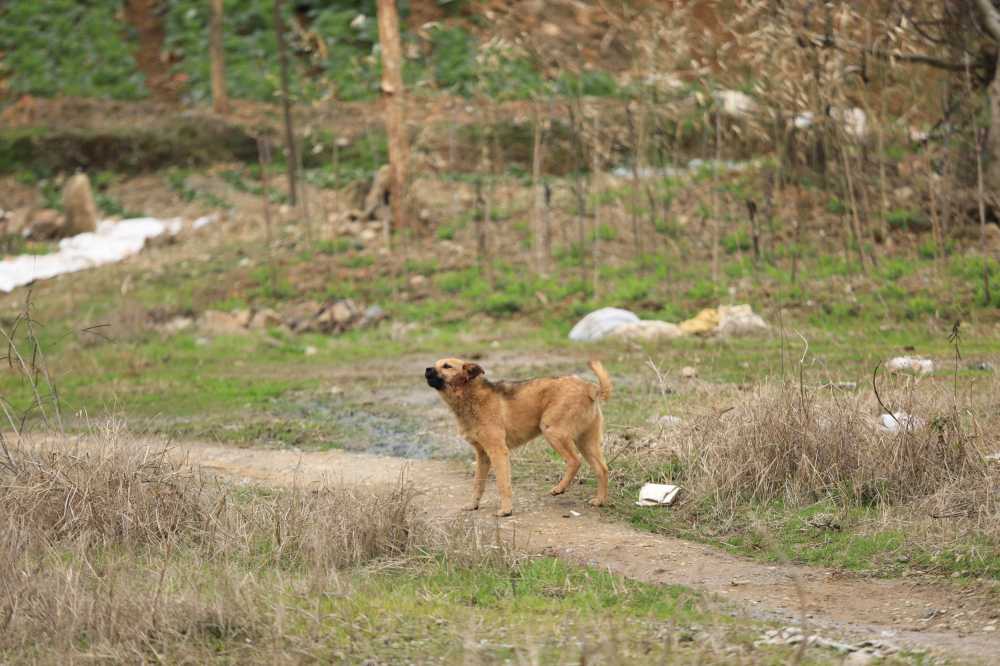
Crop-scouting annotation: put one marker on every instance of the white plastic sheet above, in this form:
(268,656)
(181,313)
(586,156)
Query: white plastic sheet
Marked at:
(112,242)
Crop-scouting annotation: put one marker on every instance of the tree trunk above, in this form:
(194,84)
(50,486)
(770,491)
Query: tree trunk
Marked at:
(993,143)
(392,90)
(147,20)
(220,101)
(541,259)
(286,102)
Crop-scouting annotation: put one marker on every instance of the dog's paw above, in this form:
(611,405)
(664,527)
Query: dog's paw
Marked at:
(471,507)
(596,501)
(503,513)
(557,490)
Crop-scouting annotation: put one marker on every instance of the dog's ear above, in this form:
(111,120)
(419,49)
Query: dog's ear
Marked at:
(473,370)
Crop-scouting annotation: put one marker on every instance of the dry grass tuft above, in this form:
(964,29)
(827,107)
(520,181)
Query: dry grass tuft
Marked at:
(798,446)
(122,553)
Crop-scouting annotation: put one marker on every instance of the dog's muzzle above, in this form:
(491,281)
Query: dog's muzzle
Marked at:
(434,380)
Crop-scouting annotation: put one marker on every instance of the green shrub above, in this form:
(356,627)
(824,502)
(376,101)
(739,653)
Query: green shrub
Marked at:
(67,47)
(421,266)
(736,241)
(920,306)
(606,232)
(335,246)
(907,220)
(500,305)
(836,206)
(704,291)
(589,83)
(358,261)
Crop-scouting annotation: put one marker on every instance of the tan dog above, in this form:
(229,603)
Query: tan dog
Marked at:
(497,417)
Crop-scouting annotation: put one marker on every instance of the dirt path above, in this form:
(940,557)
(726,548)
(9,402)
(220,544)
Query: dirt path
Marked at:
(830,604)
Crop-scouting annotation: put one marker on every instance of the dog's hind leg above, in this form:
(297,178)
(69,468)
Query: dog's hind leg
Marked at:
(563,444)
(592,450)
(479,482)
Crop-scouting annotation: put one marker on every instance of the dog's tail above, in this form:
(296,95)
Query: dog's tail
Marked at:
(602,379)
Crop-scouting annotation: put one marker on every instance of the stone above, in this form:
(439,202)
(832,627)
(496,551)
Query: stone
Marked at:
(600,323)
(301,317)
(418,281)
(992,233)
(688,372)
(898,421)
(735,104)
(368,235)
(265,319)
(914,364)
(45,224)
(78,203)
(343,311)
(334,317)
(703,323)
(215,322)
(310,351)
(647,330)
(372,315)
(176,325)
(243,317)
(378,194)
(740,320)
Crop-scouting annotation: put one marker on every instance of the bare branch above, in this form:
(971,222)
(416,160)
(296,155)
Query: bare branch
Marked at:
(991,18)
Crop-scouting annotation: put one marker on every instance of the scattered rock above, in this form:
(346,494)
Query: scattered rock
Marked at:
(243,317)
(824,521)
(871,649)
(265,319)
(299,316)
(45,224)
(78,202)
(418,281)
(735,104)
(916,365)
(372,315)
(310,351)
(666,421)
(215,322)
(378,194)
(704,323)
(342,312)
(898,421)
(368,235)
(903,193)
(176,325)
(600,323)
(688,372)
(648,330)
(992,232)
(740,320)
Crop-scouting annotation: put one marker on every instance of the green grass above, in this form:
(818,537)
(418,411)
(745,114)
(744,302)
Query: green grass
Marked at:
(781,534)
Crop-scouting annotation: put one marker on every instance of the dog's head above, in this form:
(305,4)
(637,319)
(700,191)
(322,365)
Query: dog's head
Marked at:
(451,372)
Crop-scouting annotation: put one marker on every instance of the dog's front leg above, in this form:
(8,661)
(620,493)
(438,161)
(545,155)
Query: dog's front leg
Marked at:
(496,449)
(479,482)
